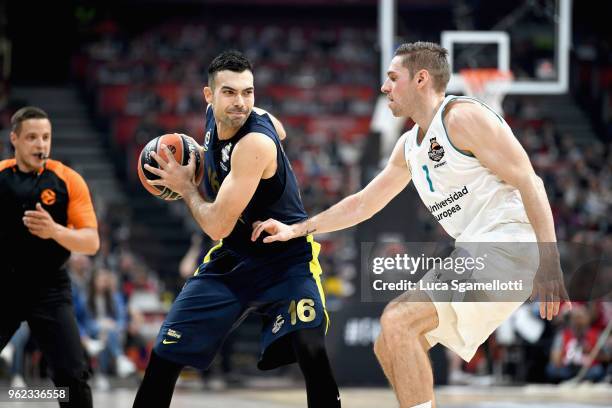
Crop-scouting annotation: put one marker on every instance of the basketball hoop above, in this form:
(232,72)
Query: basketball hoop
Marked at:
(489,85)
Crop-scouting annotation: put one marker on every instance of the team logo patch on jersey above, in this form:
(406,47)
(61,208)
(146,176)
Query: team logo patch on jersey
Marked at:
(278,324)
(436,151)
(206,141)
(47,196)
(225,153)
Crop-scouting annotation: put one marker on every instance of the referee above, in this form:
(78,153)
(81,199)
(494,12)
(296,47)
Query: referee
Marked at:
(45,213)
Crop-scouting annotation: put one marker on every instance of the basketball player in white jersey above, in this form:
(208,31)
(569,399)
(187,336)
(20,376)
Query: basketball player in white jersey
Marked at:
(458,145)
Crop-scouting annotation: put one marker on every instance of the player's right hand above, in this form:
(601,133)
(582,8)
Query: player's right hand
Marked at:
(548,285)
(277,230)
(173,175)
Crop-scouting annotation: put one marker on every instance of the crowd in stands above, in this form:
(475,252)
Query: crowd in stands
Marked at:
(321,81)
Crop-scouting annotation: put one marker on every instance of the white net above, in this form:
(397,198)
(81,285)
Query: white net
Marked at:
(488,85)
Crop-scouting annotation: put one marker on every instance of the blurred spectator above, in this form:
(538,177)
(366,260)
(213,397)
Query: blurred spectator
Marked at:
(109,323)
(79,268)
(572,347)
(192,257)
(16,350)
(141,100)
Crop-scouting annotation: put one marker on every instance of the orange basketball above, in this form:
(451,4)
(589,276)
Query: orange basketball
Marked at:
(180,146)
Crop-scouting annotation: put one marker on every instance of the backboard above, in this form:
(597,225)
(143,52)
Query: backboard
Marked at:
(531,38)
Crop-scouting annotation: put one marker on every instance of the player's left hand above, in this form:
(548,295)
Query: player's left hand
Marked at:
(277,230)
(39,222)
(171,174)
(548,285)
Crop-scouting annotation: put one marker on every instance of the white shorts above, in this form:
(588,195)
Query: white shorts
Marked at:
(465,325)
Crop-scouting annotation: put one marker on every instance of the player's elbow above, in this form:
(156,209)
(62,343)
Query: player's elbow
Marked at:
(93,245)
(538,180)
(532,177)
(221,235)
(217,235)
(221,230)
(529,181)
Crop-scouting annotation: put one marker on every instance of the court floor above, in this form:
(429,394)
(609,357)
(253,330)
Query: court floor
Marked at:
(583,396)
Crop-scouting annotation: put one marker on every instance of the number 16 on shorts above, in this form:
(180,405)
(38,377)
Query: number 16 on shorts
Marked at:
(303,310)
(300,311)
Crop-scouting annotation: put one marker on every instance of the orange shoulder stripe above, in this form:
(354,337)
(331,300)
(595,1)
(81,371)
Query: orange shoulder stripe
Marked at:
(4,164)
(81,212)
(55,166)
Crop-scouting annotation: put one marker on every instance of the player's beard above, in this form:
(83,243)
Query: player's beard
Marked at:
(402,110)
(395,109)
(235,122)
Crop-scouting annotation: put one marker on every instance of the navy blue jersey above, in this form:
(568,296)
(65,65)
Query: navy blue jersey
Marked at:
(279,281)
(277,197)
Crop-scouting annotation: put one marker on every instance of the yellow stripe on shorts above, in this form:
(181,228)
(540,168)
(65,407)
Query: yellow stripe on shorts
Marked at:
(207,257)
(316,271)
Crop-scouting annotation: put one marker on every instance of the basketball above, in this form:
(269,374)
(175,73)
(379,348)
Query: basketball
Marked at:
(181,146)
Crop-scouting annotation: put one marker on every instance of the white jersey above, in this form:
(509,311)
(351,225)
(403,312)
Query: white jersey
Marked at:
(464,196)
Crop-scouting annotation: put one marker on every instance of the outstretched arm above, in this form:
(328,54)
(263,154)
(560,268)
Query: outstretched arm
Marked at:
(353,209)
(251,157)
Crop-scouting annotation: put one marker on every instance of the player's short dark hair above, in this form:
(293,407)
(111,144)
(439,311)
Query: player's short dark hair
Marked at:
(25,113)
(429,56)
(231,60)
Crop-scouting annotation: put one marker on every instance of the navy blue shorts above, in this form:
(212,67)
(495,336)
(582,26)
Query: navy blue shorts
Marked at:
(288,296)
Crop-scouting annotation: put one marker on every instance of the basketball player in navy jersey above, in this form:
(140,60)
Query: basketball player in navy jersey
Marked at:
(477,181)
(247,177)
